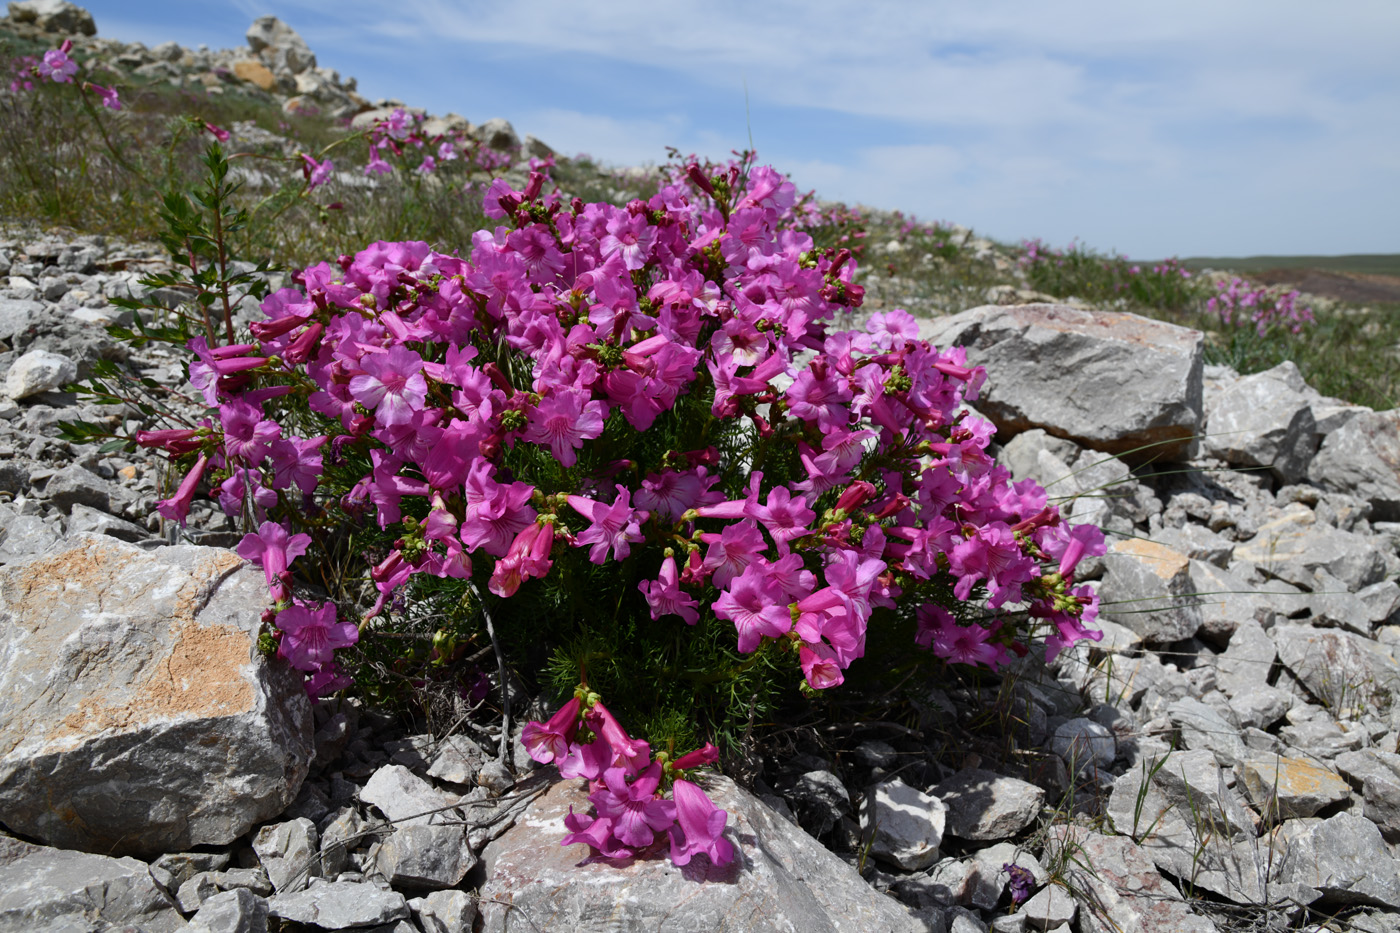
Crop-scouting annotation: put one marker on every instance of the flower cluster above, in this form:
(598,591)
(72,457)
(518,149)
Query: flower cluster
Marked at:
(627,786)
(1239,303)
(843,476)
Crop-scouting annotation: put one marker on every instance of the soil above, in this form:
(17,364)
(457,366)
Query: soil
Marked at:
(1342,286)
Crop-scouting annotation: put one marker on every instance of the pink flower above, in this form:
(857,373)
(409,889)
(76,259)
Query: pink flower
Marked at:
(57,66)
(563,420)
(391,383)
(820,666)
(316,173)
(177,507)
(699,827)
(631,236)
(665,596)
(756,607)
(614,528)
(328,679)
(635,811)
(732,550)
(273,549)
(549,741)
(247,435)
(376,164)
(220,134)
(310,636)
(596,833)
(109,97)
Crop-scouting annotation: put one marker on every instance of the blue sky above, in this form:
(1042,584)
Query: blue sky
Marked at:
(1196,127)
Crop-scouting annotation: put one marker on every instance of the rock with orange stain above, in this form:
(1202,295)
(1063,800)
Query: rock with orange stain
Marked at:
(136,714)
(1288,788)
(1147,587)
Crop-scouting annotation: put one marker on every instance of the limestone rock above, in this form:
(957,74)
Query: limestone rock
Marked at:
(985,806)
(425,857)
(1261,421)
(340,904)
(907,824)
(781,878)
(235,911)
(1342,669)
(281,46)
(289,853)
(498,134)
(44,884)
(1147,587)
(1203,728)
(1362,458)
(1294,547)
(132,691)
(1060,368)
(1120,888)
(56,16)
(1344,857)
(1288,788)
(404,797)
(38,371)
(255,73)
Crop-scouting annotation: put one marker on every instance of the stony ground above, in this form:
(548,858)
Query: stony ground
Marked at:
(1225,758)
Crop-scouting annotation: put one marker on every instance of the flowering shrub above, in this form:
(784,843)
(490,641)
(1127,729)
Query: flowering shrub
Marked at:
(511,418)
(1239,304)
(640,412)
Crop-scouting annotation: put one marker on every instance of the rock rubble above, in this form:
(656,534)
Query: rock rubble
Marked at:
(1227,753)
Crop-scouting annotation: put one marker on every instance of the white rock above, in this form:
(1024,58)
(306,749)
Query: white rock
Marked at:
(39,371)
(907,824)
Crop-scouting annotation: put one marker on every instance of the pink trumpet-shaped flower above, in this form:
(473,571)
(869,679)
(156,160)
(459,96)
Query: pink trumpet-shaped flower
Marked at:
(635,810)
(273,549)
(310,636)
(699,827)
(665,596)
(177,507)
(549,741)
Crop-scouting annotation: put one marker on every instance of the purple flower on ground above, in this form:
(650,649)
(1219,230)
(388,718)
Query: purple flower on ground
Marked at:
(1021,880)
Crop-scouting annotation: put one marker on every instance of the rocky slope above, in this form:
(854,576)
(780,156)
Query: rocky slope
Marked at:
(1225,758)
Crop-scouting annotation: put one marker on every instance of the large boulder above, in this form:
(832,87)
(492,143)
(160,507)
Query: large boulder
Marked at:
(780,879)
(1362,458)
(1111,381)
(56,16)
(1264,420)
(280,46)
(136,714)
